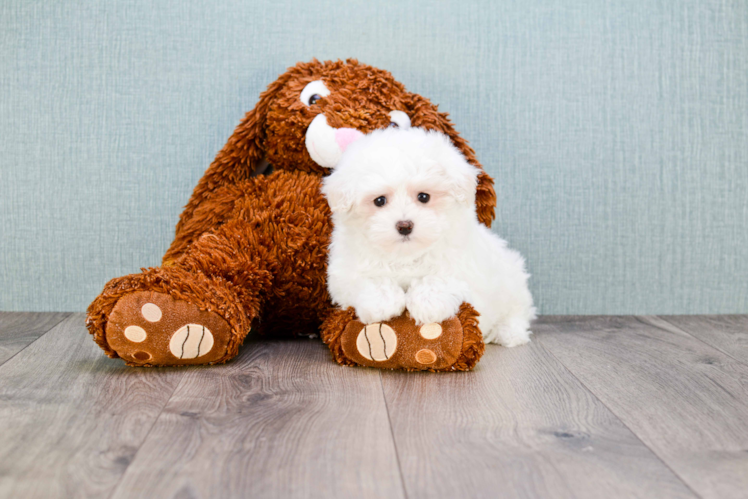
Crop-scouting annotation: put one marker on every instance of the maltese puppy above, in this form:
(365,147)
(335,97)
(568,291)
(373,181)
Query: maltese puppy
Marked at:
(406,235)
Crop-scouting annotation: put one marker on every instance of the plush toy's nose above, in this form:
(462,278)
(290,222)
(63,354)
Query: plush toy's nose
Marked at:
(404,227)
(345,136)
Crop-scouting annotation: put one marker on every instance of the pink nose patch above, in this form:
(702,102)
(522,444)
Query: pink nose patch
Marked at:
(345,136)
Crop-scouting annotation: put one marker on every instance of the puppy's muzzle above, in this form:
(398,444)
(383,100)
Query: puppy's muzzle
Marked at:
(404,227)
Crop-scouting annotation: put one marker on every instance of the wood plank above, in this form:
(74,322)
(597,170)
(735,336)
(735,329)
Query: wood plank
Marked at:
(19,329)
(283,420)
(728,333)
(520,425)
(72,419)
(686,400)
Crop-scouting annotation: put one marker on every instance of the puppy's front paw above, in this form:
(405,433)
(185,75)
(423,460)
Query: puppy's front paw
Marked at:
(433,300)
(380,301)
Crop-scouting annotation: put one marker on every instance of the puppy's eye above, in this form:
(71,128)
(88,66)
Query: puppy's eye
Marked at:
(380,201)
(424,197)
(313,92)
(394,125)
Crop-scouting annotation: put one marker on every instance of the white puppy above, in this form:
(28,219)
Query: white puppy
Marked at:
(406,235)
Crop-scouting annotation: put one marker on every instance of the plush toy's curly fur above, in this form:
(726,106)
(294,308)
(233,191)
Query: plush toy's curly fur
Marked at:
(253,248)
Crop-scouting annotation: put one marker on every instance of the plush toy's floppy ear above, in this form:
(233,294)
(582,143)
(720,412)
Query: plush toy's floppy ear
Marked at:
(242,157)
(424,114)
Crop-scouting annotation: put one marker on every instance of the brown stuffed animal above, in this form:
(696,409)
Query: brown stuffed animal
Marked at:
(250,249)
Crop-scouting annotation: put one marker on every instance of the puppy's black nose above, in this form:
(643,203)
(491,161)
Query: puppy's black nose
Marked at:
(404,227)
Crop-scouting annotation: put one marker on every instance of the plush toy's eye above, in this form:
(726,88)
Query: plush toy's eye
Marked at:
(399,120)
(380,201)
(313,92)
(424,197)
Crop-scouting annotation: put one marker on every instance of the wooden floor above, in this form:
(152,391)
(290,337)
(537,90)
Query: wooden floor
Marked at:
(593,407)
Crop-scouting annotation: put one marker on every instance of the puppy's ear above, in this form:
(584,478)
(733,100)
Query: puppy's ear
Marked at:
(340,193)
(461,176)
(426,115)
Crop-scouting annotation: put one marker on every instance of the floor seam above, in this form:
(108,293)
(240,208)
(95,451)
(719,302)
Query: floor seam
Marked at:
(140,446)
(67,315)
(392,434)
(700,340)
(618,417)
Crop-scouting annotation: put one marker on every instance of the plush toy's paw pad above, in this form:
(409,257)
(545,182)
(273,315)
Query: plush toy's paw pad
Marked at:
(431,331)
(191,344)
(426,357)
(400,343)
(377,342)
(150,328)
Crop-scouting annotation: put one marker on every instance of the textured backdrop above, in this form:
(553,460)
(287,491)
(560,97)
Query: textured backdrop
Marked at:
(617,132)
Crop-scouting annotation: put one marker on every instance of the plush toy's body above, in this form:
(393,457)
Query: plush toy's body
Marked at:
(250,248)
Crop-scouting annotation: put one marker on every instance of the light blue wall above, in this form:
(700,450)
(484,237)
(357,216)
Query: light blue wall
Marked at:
(617,132)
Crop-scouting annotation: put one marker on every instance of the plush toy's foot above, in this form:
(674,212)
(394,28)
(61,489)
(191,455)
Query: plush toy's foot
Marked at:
(454,344)
(168,317)
(151,328)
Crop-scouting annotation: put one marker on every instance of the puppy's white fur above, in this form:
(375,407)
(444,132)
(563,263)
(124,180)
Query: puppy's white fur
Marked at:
(448,258)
